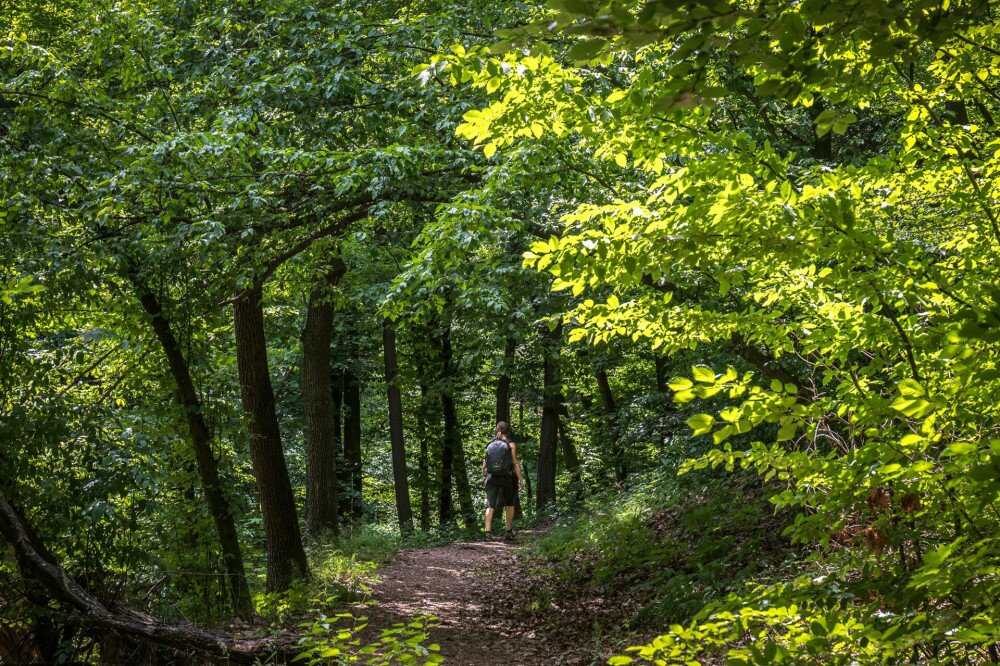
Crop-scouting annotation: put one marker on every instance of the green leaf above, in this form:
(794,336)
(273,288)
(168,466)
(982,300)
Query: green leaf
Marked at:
(701,424)
(587,50)
(680,384)
(786,432)
(911,388)
(912,407)
(959,449)
(703,373)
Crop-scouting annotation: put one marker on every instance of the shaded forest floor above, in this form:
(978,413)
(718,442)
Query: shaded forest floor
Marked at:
(487,606)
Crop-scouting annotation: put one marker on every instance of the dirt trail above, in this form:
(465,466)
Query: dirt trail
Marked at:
(453,582)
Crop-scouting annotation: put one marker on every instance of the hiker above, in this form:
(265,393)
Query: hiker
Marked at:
(500,465)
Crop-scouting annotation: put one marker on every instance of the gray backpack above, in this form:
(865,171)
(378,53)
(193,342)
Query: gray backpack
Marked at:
(499,461)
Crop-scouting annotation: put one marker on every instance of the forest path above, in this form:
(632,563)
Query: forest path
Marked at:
(478,626)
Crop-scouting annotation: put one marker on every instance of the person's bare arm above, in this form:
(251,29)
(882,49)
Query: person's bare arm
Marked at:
(517,463)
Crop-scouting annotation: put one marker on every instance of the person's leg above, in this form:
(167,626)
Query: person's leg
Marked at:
(491,504)
(509,517)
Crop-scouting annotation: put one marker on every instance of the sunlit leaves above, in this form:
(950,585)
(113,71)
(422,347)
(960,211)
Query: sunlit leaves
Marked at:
(870,280)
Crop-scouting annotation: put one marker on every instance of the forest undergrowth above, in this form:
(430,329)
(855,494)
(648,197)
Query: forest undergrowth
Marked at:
(624,566)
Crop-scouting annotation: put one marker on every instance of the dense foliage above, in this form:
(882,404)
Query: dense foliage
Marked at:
(810,185)
(232,230)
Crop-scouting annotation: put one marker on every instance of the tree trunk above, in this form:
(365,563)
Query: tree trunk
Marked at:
(352,442)
(423,465)
(523,460)
(503,384)
(343,470)
(460,471)
(610,421)
(661,373)
(446,510)
(545,484)
(400,483)
(320,422)
(604,389)
(445,463)
(201,443)
(286,559)
(453,434)
(570,458)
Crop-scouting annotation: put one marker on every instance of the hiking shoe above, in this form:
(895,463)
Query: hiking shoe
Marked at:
(488,536)
(508,535)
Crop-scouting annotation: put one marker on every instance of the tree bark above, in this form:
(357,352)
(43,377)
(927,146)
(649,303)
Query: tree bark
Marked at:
(402,488)
(610,425)
(343,469)
(503,383)
(352,442)
(423,464)
(452,432)
(446,509)
(545,483)
(570,457)
(661,373)
(201,444)
(319,417)
(286,559)
(445,463)
(523,460)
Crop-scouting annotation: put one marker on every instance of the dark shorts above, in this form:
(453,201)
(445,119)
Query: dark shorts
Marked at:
(501,492)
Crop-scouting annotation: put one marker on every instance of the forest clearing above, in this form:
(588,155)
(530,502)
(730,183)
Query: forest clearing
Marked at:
(533,332)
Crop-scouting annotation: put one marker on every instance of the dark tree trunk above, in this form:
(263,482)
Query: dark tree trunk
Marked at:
(423,464)
(608,402)
(201,443)
(452,432)
(446,510)
(286,559)
(352,442)
(319,416)
(400,483)
(460,471)
(610,425)
(524,464)
(545,486)
(503,384)
(570,458)
(47,639)
(661,373)
(445,462)
(343,470)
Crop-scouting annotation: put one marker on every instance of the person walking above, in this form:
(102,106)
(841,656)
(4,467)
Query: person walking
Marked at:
(500,468)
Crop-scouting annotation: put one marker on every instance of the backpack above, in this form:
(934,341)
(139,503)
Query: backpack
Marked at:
(499,461)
